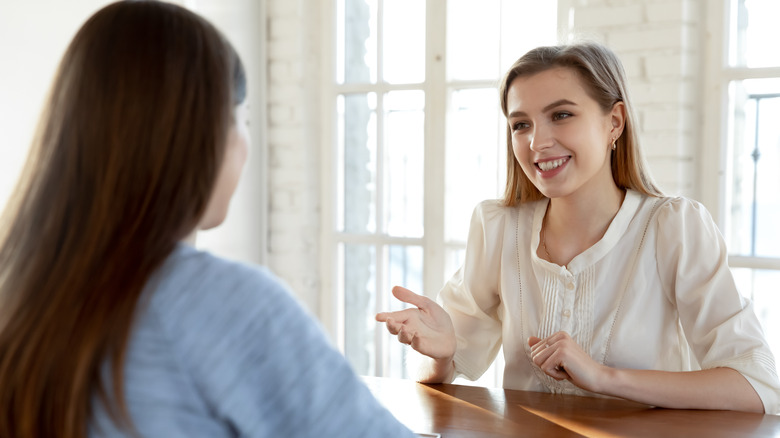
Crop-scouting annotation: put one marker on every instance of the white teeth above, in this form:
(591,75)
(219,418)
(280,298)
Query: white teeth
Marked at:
(550,165)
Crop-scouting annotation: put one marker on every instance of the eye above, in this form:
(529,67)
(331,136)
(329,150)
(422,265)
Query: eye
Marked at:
(561,115)
(519,125)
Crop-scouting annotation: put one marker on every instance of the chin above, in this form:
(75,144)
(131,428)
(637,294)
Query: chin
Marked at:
(212,222)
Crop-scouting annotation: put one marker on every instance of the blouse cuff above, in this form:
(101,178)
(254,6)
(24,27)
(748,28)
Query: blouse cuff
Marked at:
(465,368)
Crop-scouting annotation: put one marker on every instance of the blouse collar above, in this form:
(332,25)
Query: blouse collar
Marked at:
(600,249)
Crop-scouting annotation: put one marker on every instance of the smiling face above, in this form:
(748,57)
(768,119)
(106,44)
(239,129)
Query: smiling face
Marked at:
(561,137)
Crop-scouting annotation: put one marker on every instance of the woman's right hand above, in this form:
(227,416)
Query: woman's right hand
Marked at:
(426,327)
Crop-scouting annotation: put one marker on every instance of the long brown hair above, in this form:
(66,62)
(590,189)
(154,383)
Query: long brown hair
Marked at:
(122,167)
(602,75)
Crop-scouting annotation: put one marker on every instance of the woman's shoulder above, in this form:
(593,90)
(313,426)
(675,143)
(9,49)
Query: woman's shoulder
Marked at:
(192,284)
(195,269)
(681,210)
(491,210)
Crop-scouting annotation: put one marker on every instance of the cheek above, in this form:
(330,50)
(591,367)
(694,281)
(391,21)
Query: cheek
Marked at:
(521,149)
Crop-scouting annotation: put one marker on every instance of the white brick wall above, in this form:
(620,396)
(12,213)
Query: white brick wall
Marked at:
(294,146)
(656,39)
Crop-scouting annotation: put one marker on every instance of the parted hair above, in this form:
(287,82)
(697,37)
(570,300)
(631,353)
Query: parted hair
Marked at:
(122,167)
(601,74)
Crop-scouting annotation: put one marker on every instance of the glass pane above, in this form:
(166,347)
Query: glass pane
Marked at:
(405,268)
(754,33)
(473,39)
(760,286)
(755,168)
(526,24)
(403,58)
(356,41)
(453,261)
(403,166)
(357,159)
(359,268)
(475,157)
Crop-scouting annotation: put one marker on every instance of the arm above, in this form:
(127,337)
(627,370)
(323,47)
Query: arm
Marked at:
(427,328)
(716,388)
(719,325)
(461,334)
(261,362)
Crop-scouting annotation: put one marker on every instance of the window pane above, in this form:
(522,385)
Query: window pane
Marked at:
(359,268)
(473,39)
(357,46)
(475,157)
(357,157)
(454,257)
(404,151)
(405,268)
(754,33)
(404,41)
(760,286)
(755,157)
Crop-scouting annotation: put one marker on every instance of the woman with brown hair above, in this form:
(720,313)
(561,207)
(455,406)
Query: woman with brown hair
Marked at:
(110,325)
(591,280)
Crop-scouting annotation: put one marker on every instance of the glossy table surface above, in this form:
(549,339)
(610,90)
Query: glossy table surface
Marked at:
(468,411)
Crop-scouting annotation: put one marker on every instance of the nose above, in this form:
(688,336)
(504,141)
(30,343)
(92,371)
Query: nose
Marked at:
(541,138)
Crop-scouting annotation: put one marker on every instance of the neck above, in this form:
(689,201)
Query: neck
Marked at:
(574,224)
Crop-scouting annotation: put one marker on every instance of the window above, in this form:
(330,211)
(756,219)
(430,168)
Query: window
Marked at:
(748,90)
(417,141)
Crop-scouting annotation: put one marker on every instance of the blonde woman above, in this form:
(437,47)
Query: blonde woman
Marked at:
(591,280)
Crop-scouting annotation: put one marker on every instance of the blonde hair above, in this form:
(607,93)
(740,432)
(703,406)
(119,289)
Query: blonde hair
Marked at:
(604,80)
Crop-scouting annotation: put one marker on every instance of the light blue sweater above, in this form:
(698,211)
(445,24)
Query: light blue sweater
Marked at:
(221,349)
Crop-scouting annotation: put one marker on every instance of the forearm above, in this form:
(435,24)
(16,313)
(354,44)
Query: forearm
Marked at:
(437,371)
(717,388)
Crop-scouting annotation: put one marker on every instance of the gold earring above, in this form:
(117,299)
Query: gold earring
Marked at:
(614,144)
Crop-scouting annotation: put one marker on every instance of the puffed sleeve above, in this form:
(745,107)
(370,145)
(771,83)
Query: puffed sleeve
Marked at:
(471,296)
(719,323)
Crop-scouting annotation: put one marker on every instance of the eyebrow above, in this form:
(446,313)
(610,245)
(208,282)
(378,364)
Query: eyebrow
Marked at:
(557,103)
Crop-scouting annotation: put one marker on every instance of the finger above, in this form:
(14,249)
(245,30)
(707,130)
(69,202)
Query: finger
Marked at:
(533,340)
(406,336)
(539,347)
(407,296)
(400,315)
(393,326)
(554,368)
(541,353)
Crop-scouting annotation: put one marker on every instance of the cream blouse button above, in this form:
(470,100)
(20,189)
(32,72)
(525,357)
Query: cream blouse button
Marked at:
(566,313)
(570,285)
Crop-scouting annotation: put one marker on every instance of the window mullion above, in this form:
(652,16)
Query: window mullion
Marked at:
(435,119)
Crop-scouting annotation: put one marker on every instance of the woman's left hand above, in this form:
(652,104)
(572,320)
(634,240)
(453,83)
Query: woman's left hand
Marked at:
(562,359)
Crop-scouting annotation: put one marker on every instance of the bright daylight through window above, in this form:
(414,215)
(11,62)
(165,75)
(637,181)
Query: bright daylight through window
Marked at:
(753,170)
(419,142)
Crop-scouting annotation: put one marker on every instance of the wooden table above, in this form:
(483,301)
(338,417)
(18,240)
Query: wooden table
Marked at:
(456,411)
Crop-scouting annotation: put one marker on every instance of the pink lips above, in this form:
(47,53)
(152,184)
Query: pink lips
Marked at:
(555,171)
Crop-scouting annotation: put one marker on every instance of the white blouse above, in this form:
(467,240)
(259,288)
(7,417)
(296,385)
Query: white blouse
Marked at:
(655,292)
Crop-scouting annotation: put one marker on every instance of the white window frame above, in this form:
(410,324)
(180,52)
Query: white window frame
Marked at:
(332,299)
(714,169)
(433,242)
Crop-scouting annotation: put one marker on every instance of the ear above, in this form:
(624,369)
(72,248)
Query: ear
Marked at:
(617,119)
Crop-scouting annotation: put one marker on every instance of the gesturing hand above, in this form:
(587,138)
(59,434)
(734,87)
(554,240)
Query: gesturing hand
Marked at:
(562,359)
(427,327)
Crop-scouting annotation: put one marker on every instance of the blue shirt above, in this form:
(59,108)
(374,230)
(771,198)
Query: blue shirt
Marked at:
(221,349)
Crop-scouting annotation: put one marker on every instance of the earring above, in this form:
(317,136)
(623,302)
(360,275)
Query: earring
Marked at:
(614,144)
